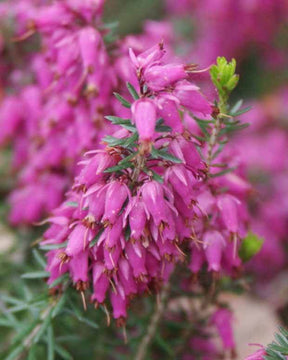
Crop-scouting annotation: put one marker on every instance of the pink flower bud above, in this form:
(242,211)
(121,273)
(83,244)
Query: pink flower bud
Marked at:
(10,115)
(100,283)
(228,206)
(160,76)
(148,57)
(136,257)
(222,319)
(190,97)
(88,8)
(94,168)
(154,201)
(137,220)
(112,234)
(187,152)
(126,277)
(78,240)
(78,267)
(116,195)
(213,244)
(119,303)
(49,17)
(90,43)
(144,116)
(182,182)
(168,111)
(67,55)
(196,260)
(54,266)
(96,202)
(258,355)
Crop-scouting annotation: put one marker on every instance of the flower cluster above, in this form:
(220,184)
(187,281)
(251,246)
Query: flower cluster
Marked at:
(148,199)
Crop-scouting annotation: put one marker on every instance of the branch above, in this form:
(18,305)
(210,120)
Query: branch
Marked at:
(152,327)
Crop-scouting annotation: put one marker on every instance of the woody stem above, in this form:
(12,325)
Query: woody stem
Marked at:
(154,322)
(213,140)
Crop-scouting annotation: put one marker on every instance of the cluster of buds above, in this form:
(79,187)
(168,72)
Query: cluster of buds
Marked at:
(147,200)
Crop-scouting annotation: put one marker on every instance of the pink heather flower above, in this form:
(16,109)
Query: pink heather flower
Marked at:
(222,320)
(100,283)
(88,8)
(10,115)
(90,42)
(137,219)
(78,267)
(116,195)
(158,77)
(126,277)
(51,16)
(168,111)
(55,266)
(197,259)
(214,245)
(136,257)
(148,57)
(119,303)
(182,183)
(228,206)
(187,152)
(96,165)
(258,355)
(155,204)
(190,97)
(144,116)
(112,234)
(78,240)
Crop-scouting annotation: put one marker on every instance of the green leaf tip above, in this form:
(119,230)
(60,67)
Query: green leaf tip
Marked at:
(223,77)
(250,246)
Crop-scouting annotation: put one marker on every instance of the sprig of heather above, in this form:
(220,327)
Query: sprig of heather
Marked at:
(148,201)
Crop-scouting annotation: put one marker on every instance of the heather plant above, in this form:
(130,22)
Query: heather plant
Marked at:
(149,189)
(154,205)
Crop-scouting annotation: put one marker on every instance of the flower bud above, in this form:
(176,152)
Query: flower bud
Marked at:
(222,319)
(116,195)
(100,283)
(144,116)
(154,201)
(228,206)
(160,76)
(190,97)
(90,43)
(213,244)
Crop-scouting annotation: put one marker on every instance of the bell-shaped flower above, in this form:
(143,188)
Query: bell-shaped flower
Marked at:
(222,320)
(190,97)
(213,244)
(144,116)
(116,195)
(158,77)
